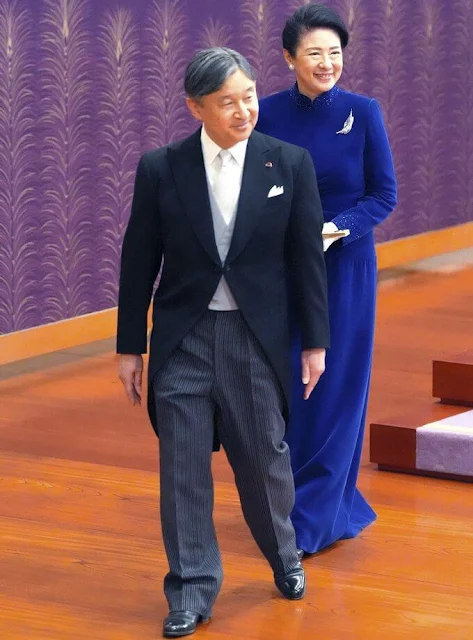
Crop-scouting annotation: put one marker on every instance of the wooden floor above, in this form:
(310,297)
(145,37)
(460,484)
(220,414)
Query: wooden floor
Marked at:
(80,549)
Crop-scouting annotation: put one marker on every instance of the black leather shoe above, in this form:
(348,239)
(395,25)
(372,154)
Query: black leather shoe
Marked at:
(300,554)
(292,584)
(181,623)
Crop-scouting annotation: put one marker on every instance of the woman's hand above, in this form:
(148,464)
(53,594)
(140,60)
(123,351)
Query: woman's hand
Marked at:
(327,228)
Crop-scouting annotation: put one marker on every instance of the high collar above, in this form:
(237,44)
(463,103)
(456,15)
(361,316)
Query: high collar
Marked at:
(210,149)
(324,100)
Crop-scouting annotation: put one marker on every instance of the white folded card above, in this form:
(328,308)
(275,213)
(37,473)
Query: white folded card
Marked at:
(275,191)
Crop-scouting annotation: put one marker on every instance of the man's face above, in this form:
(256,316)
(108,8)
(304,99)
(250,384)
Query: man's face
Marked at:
(230,114)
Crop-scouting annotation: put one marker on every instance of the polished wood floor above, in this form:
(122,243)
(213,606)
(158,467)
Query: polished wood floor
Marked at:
(81,556)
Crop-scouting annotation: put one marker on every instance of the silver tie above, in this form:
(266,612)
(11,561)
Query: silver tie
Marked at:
(225,190)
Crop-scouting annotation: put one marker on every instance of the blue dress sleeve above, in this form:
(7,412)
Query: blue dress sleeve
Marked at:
(380,182)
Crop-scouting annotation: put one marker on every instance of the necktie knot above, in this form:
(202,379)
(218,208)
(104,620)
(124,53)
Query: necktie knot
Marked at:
(225,158)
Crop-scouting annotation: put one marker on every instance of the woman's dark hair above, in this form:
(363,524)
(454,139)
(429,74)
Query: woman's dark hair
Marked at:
(308,18)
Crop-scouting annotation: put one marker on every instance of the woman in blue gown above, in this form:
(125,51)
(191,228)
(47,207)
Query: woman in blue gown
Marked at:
(346,137)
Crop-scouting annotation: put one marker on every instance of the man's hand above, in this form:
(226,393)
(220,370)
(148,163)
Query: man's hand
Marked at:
(313,366)
(130,372)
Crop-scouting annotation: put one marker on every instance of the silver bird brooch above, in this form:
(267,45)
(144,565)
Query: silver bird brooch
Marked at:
(347,127)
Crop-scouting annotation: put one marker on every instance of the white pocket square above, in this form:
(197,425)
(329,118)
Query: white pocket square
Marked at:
(275,191)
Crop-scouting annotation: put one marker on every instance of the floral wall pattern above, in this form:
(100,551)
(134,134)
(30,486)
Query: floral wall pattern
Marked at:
(87,86)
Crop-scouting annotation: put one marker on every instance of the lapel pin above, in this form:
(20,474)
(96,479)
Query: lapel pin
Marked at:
(269,165)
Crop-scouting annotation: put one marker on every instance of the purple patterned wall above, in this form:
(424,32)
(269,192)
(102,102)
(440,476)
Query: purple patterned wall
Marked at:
(87,85)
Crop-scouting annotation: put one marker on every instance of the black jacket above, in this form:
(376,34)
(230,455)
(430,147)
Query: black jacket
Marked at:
(276,247)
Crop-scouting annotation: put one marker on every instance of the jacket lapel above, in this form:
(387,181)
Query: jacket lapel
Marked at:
(188,169)
(258,177)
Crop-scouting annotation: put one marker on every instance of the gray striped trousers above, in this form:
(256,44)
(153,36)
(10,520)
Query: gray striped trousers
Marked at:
(219,379)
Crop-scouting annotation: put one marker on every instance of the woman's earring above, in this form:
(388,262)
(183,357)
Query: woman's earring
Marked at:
(291,67)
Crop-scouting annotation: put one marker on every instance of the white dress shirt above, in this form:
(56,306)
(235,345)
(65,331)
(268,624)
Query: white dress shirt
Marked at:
(223,210)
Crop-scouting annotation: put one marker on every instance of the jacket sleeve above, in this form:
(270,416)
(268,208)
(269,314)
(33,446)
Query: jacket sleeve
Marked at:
(308,279)
(141,257)
(380,183)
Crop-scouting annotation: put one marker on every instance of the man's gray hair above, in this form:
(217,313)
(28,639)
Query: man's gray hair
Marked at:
(208,70)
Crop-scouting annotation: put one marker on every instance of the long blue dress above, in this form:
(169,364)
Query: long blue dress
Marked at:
(347,140)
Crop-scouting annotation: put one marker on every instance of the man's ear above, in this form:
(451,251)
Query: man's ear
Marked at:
(194,107)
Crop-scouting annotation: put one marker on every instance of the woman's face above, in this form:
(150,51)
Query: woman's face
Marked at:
(318,63)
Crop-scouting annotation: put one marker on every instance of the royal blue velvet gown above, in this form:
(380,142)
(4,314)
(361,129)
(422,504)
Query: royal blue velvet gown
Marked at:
(347,140)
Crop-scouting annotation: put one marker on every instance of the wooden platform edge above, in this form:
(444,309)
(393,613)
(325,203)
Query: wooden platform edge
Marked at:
(424,474)
(102,324)
(52,337)
(424,245)
(452,379)
(397,449)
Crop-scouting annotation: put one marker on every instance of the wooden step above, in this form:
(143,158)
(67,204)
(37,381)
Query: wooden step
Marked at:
(452,379)
(418,444)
